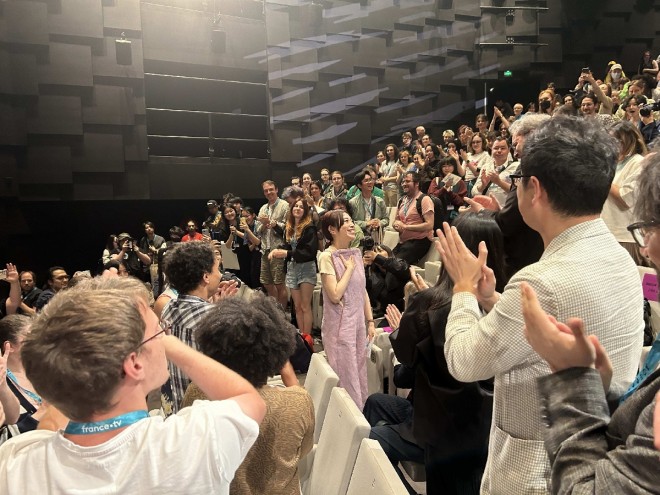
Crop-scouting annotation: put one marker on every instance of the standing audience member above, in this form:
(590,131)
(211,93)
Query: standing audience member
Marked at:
(58,280)
(193,272)
(270,229)
(299,252)
(212,222)
(600,438)
(192,234)
(229,226)
(565,176)
(369,211)
(29,292)
(389,171)
(135,260)
(111,246)
(618,208)
(494,178)
(338,189)
(111,352)
(414,221)
(346,308)
(448,187)
(248,254)
(255,341)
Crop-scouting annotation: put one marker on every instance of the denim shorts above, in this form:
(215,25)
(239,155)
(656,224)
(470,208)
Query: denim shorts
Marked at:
(298,273)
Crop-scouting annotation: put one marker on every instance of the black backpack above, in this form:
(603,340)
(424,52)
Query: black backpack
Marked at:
(440,213)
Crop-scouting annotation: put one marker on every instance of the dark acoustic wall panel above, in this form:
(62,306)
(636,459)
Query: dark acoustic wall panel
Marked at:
(70,115)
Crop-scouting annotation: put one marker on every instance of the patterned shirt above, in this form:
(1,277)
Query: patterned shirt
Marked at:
(277,213)
(184,314)
(583,273)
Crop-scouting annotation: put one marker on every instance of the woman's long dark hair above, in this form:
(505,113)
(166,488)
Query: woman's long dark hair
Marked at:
(473,228)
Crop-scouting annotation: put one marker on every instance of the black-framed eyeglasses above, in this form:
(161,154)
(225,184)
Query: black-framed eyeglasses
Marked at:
(516,178)
(640,230)
(165,327)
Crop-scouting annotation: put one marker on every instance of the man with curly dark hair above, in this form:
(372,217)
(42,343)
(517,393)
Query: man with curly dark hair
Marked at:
(255,341)
(193,272)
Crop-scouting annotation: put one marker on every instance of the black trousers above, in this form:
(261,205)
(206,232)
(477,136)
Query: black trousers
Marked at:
(413,250)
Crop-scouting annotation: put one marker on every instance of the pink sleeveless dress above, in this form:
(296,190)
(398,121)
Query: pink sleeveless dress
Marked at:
(344,331)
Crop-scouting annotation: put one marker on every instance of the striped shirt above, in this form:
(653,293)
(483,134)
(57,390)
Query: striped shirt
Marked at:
(184,314)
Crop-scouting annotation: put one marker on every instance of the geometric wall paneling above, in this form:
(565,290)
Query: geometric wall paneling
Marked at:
(418,106)
(104,60)
(320,136)
(462,36)
(178,146)
(292,104)
(135,143)
(254,127)
(282,137)
(306,20)
(177,123)
(338,50)
(381,16)
(182,180)
(395,83)
(523,23)
(250,9)
(552,18)
(350,160)
(301,61)
(24,23)
(644,25)
(370,51)
(133,183)
(626,6)
(362,90)
(492,27)
(328,97)
(52,191)
(98,153)
(46,165)
(240,148)
(9,183)
(123,15)
(187,93)
(60,115)
(277,27)
(611,32)
(13,124)
(18,73)
(551,53)
(90,187)
(181,35)
(405,44)
(468,9)
(109,105)
(77,18)
(356,127)
(384,121)
(69,65)
(631,53)
(274,72)
(343,17)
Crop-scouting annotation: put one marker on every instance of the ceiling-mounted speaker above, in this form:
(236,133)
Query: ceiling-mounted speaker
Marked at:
(123,52)
(218,41)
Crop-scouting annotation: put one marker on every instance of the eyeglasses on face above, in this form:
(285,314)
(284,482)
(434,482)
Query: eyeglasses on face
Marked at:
(165,327)
(640,230)
(516,178)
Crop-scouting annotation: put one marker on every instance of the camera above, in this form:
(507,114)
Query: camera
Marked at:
(586,70)
(646,110)
(368,243)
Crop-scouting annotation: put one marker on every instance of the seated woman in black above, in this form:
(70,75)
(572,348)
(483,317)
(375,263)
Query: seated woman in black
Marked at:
(451,419)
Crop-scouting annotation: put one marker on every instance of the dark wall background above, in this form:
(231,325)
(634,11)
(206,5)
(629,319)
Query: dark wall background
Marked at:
(220,95)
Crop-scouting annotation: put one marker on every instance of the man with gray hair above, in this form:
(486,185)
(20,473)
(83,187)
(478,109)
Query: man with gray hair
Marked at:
(522,245)
(564,178)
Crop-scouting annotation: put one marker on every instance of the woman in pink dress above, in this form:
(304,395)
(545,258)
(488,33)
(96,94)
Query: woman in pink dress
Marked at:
(347,318)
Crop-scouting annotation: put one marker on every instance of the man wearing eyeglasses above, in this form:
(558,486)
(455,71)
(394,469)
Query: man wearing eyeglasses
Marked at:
(58,280)
(95,353)
(565,175)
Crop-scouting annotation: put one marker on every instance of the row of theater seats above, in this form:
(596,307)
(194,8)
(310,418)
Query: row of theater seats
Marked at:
(343,459)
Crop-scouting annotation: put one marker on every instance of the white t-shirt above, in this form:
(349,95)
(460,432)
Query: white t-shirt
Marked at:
(195,451)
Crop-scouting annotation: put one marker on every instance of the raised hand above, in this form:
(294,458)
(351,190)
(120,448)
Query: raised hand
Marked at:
(393,316)
(420,283)
(463,267)
(12,273)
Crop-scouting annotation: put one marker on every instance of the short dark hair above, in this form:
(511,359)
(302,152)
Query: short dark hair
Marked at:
(149,224)
(344,202)
(53,269)
(359,177)
(448,160)
(590,96)
(332,218)
(176,231)
(255,340)
(574,160)
(186,263)
(34,277)
(414,176)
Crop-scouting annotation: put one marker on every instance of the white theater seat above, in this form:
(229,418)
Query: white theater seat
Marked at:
(319,382)
(375,370)
(373,473)
(343,430)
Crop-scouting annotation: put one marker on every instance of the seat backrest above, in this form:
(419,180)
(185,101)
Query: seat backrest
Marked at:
(344,428)
(319,382)
(373,472)
(229,259)
(432,272)
(375,370)
(391,213)
(431,255)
